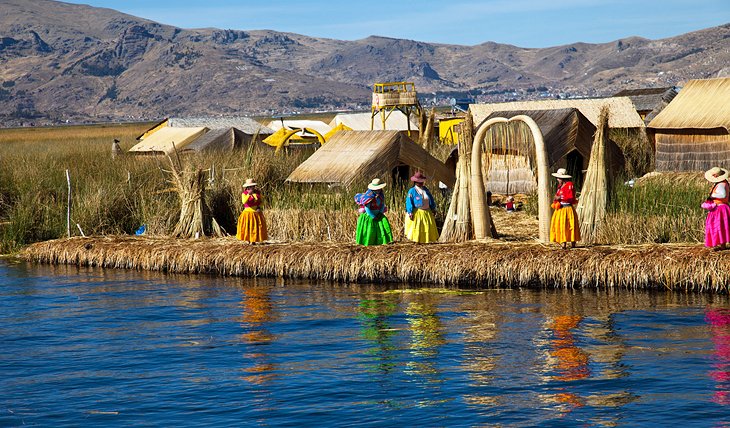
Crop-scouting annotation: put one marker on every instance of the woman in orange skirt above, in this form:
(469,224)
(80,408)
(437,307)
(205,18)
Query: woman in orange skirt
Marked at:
(564,226)
(251,222)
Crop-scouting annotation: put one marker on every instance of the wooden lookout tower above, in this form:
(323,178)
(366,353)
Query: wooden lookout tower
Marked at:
(391,96)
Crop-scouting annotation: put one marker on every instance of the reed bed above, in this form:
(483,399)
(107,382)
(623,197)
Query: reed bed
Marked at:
(473,264)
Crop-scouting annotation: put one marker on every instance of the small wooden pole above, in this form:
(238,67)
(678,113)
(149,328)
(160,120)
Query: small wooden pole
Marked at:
(68,206)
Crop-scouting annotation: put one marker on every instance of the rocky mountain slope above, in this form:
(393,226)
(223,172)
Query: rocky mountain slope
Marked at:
(62,61)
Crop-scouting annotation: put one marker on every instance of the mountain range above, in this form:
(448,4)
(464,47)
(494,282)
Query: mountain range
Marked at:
(67,62)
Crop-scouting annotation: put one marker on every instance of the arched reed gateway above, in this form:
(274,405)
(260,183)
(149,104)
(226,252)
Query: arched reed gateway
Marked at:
(531,148)
(516,156)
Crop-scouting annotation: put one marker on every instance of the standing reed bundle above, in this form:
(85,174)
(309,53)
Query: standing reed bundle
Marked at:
(597,186)
(457,226)
(426,133)
(195,219)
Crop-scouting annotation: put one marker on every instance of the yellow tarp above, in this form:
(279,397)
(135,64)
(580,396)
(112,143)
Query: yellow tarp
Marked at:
(277,138)
(336,129)
(447,134)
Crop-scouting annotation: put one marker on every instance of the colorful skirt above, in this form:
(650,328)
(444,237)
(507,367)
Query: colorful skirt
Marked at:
(251,226)
(717,226)
(422,228)
(564,226)
(373,231)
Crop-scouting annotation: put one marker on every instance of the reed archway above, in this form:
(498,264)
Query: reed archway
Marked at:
(480,210)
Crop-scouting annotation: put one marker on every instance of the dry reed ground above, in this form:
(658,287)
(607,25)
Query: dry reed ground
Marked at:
(514,260)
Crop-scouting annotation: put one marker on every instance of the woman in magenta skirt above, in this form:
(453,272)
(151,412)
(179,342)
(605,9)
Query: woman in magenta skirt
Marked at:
(717,224)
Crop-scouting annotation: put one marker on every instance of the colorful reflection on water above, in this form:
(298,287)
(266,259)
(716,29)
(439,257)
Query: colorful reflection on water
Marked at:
(105,347)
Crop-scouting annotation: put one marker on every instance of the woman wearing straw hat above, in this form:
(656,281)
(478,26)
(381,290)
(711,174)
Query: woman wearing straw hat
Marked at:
(717,224)
(564,226)
(251,222)
(420,223)
(373,227)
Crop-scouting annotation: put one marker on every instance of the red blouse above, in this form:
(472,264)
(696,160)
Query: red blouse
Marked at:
(566,193)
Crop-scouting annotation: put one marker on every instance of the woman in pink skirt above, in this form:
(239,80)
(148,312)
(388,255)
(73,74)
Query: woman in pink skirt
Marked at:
(717,225)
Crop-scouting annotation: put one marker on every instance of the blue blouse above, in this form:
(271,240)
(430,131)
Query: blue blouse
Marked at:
(414,200)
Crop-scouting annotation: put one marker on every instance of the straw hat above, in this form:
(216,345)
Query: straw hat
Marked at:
(716,174)
(562,173)
(418,177)
(376,184)
(249,183)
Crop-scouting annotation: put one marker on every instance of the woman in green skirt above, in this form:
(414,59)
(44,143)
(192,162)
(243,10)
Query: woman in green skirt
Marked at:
(372,225)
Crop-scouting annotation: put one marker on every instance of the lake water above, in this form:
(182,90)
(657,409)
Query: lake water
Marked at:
(98,347)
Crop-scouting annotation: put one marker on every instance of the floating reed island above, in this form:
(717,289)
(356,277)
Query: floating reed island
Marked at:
(474,264)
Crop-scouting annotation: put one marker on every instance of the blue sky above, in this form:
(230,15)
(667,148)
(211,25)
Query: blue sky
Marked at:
(526,23)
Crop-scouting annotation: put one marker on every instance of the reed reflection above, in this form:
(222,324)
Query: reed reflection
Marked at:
(374,316)
(426,337)
(719,321)
(257,312)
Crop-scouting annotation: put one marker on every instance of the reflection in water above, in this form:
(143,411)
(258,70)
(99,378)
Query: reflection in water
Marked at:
(569,362)
(719,320)
(426,337)
(374,314)
(77,340)
(257,311)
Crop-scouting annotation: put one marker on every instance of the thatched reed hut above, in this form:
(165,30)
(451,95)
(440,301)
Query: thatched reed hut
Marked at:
(693,132)
(649,101)
(217,134)
(568,137)
(167,140)
(354,156)
(622,113)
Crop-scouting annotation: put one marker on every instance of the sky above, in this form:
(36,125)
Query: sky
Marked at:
(524,23)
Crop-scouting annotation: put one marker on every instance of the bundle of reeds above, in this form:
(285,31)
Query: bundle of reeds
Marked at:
(597,185)
(195,219)
(425,137)
(457,225)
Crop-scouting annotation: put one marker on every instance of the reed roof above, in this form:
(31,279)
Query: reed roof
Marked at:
(215,139)
(563,130)
(397,121)
(701,104)
(352,156)
(242,123)
(167,139)
(622,111)
(647,99)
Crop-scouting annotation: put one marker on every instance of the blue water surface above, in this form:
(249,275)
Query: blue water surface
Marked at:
(94,347)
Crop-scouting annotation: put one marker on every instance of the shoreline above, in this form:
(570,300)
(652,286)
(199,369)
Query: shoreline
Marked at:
(480,265)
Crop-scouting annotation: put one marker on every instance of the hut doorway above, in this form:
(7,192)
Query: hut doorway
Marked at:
(401,174)
(574,165)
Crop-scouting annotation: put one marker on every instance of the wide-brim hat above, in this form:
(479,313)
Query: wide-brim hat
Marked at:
(561,173)
(376,184)
(249,183)
(716,174)
(418,177)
